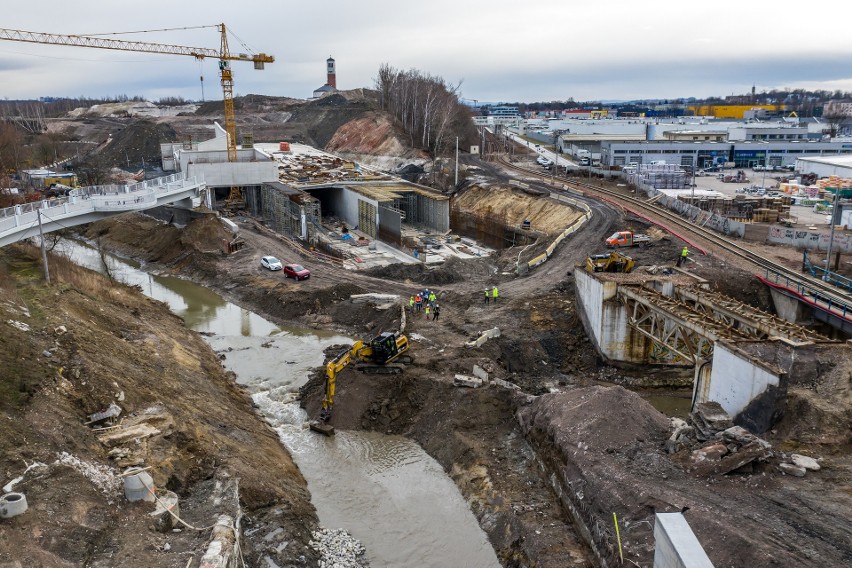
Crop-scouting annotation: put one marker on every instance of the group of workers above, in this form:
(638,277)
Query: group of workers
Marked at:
(427,302)
(491,294)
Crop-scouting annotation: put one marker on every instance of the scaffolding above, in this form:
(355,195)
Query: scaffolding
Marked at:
(290,211)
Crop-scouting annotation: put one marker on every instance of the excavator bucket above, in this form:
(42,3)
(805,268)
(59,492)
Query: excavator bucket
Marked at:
(322,427)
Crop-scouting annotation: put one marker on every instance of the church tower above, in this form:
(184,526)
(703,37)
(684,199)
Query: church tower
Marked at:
(332,77)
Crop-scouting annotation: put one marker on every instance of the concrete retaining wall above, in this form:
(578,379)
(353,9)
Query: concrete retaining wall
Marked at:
(570,230)
(810,240)
(606,319)
(737,379)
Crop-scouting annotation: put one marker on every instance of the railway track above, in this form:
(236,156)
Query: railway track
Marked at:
(773,271)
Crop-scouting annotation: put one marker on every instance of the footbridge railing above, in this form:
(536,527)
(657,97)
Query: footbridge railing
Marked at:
(88,204)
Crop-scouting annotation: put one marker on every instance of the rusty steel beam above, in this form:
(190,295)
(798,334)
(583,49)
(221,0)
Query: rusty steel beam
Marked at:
(744,317)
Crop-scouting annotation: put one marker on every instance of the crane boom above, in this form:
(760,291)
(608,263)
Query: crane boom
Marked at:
(223,55)
(124,45)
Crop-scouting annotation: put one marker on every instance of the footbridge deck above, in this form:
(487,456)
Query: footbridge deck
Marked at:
(89,204)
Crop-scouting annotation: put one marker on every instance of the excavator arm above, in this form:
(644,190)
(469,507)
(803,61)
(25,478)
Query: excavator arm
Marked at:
(332,369)
(379,353)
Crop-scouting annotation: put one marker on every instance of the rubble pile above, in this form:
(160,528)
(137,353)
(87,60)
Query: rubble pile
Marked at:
(716,445)
(338,549)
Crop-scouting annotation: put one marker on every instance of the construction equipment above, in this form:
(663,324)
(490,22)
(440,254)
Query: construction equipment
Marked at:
(627,239)
(611,262)
(223,55)
(376,356)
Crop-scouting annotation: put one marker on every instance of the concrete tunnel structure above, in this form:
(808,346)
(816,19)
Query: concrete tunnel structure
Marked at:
(742,358)
(379,209)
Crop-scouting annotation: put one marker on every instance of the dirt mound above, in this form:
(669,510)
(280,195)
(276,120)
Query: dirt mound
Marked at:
(453,270)
(512,207)
(600,419)
(372,134)
(137,142)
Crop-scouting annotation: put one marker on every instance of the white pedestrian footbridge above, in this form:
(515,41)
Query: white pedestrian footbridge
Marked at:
(88,204)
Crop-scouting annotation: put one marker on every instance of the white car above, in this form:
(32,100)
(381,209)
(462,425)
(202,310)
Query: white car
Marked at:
(271,263)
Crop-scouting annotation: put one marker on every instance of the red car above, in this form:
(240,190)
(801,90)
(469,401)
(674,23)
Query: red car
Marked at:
(296,271)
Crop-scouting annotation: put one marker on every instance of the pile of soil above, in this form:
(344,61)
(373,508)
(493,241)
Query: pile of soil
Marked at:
(604,447)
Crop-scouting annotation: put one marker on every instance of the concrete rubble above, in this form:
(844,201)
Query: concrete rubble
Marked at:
(806,462)
(466,381)
(338,548)
(484,337)
(715,445)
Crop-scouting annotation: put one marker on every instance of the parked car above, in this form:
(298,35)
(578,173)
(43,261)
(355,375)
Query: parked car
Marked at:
(296,271)
(271,263)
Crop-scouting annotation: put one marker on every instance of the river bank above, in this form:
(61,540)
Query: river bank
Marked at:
(85,343)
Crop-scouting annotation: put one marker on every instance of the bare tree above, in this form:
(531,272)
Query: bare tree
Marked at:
(835,120)
(425,105)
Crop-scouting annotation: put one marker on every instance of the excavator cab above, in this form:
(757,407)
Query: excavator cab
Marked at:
(386,347)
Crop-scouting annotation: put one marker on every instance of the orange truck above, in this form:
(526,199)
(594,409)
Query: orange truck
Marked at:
(627,239)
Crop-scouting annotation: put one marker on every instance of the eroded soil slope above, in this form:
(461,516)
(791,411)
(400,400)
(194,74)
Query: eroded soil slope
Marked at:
(70,350)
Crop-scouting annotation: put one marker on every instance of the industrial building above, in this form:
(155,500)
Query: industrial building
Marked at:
(707,154)
(826,166)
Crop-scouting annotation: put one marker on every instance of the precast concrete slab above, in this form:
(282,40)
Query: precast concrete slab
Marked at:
(676,544)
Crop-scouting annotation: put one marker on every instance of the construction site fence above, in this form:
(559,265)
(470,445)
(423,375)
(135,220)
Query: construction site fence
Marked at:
(548,252)
(707,219)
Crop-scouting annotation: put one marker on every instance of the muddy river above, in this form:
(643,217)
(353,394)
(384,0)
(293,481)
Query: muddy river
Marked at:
(385,490)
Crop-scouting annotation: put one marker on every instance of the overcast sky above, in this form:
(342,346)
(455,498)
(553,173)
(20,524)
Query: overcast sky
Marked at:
(499,50)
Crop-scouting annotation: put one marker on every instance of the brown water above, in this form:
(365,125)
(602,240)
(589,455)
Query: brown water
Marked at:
(671,403)
(385,490)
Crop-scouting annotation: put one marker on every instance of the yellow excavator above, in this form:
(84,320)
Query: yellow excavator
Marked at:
(609,262)
(382,354)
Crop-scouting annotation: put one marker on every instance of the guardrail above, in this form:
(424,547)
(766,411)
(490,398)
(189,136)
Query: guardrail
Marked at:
(571,229)
(812,295)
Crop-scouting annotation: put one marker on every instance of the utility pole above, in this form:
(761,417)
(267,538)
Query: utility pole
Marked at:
(43,249)
(456,182)
(694,165)
(555,158)
(827,277)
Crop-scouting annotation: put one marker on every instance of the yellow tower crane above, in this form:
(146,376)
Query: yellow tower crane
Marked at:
(224,56)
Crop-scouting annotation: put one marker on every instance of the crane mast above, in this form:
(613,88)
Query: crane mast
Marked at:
(224,56)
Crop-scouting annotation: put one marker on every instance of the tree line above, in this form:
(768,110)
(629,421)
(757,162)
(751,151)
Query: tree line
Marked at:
(427,108)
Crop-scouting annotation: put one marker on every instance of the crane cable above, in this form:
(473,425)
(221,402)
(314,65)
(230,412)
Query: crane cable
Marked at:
(149,31)
(235,36)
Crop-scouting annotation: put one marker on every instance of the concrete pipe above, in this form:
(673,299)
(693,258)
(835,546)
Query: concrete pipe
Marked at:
(12,505)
